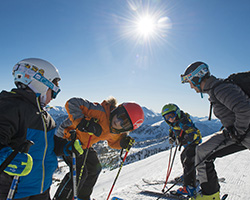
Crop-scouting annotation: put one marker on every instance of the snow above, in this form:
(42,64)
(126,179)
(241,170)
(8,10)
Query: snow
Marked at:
(233,167)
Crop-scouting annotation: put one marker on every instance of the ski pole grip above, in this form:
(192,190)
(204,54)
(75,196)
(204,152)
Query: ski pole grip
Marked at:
(72,135)
(26,146)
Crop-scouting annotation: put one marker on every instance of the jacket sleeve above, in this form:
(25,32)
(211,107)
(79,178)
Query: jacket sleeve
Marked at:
(78,108)
(237,102)
(9,124)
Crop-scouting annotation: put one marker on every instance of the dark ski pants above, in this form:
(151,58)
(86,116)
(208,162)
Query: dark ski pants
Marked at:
(90,175)
(188,162)
(220,147)
(5,183)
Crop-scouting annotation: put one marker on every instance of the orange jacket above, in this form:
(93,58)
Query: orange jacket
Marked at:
(78,108)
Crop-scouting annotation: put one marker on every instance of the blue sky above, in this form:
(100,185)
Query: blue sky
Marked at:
(99,52)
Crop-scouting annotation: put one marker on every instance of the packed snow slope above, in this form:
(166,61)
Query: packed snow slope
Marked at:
(234,168)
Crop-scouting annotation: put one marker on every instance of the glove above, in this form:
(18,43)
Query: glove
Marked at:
(21,165)
(73,146)
(90,126)
(233,134)
(171,140)
(127,142)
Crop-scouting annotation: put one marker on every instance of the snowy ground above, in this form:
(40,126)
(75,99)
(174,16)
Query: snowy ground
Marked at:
(234,168)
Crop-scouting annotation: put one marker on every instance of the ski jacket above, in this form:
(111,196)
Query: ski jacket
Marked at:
(20,120)
(185,130)
(78,108)
(231,105)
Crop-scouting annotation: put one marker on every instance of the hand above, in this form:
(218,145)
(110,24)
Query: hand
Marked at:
(21,165)
(90,126)
(127,142)
(171,140)
(233,134)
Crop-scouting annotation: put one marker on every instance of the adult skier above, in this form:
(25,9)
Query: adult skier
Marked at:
(23,117)
(183,132)
(232,107)
(94,122)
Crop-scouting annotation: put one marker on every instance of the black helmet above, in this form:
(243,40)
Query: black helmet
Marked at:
(195,72)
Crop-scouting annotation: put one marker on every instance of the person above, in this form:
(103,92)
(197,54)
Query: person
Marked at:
(104,122)
(23,117)
(232,106)
(183,132)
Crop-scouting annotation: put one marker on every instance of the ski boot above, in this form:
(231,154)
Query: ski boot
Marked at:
(215,196)
(186,191)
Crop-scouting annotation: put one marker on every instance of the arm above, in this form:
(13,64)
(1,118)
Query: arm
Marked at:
(238,104)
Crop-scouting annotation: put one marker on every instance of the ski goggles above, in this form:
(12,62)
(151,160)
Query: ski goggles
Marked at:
(26,72)
(124,119)
(170,115)
(55,89)
(199,72)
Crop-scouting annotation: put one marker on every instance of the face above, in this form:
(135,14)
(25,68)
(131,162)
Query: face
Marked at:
(48,96)
(116,123)
(171,117)
(194,87)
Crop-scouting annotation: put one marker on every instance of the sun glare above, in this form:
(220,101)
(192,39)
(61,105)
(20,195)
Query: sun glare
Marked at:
(146,26)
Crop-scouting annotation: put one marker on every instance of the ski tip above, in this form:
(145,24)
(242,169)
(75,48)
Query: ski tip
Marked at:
(116,198)
(224,196)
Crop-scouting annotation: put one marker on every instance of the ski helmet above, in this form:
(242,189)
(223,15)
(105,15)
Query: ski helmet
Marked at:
(195,72)
(39,75)
(131,114)
(169,109)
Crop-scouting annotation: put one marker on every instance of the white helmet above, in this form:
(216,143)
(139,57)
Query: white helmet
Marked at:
(39,75)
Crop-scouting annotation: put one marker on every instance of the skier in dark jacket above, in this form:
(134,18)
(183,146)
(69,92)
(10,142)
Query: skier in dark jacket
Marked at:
(23,117)
(232,106)
(183,132)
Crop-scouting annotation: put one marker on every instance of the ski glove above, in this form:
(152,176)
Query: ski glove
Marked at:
(21,165)
(73,146)
(90,126)
(127,142)
(171,140)
(233,134)
(171,137)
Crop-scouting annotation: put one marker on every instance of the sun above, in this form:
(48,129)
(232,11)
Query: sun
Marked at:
(146,26)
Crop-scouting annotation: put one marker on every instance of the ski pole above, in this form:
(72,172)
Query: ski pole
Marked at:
(207,156)
(170,166)
(25,149)
(73,138)
(84,161)
(123,160)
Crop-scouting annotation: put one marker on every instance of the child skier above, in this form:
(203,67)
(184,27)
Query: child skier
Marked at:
(183,132)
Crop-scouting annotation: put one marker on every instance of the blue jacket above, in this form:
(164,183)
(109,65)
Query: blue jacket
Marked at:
(184,129)
(20,120)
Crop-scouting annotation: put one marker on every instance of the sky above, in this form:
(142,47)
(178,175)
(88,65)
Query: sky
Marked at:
(134,50)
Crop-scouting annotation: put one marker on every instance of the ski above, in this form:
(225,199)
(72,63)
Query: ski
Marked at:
(158,182)
(162,195)
(224,197)
(116,198)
